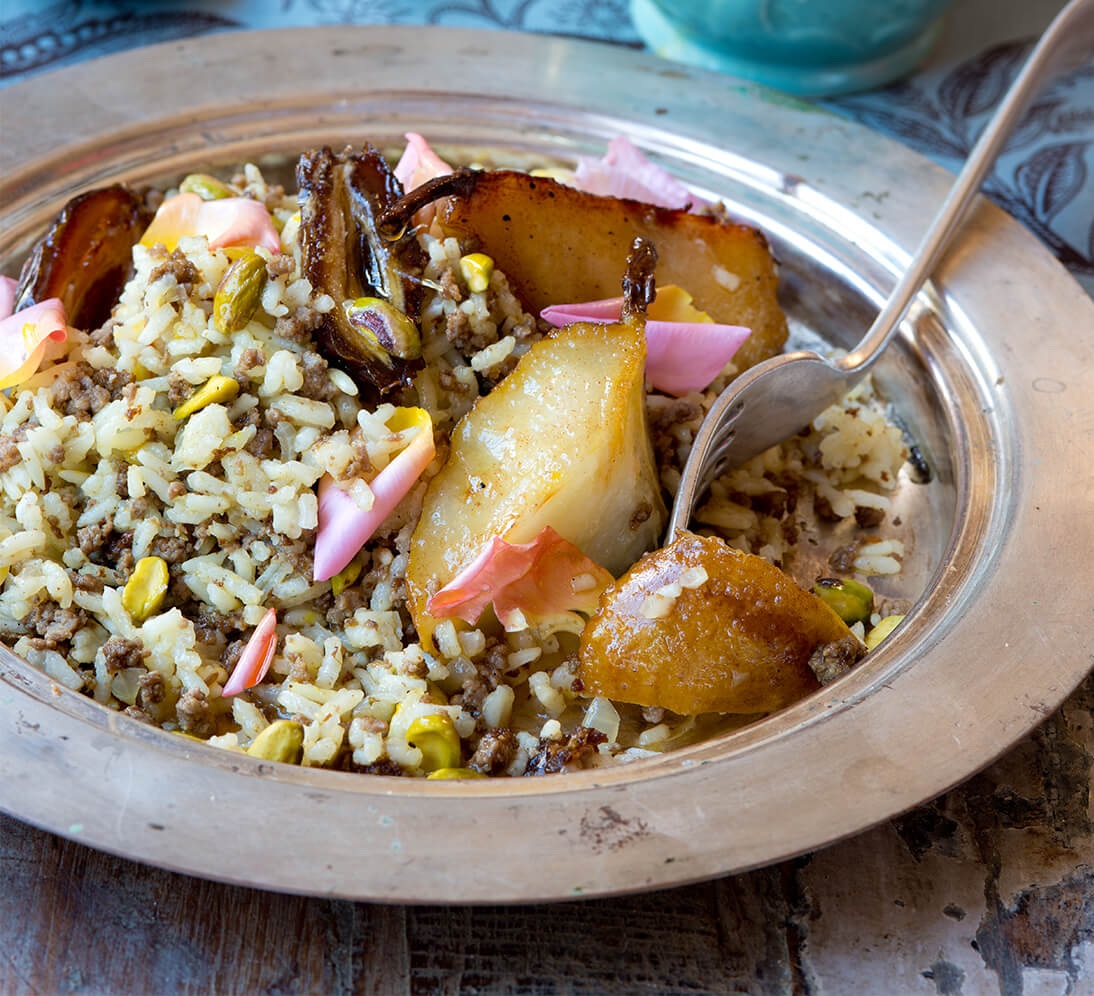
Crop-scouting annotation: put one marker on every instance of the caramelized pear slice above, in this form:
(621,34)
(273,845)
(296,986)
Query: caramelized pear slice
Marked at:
(701,627)
(86,256)
(559,244)
(562,441)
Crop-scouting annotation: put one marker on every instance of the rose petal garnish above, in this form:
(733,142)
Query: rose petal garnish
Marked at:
(343,525)
(625,172)
(419,163)
(230,221)
(527,583)
(24,338)
(7,296)
(685,350)
(256,658)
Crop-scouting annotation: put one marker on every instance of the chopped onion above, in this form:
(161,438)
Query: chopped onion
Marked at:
(625,172)
(256,658)
(527,582)
(343,525)
(24,338)
(229,221)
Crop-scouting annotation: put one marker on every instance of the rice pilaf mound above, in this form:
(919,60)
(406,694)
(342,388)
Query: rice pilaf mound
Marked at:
(97,473)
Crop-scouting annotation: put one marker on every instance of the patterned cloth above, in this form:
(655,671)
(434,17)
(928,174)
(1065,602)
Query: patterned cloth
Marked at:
(1045,179)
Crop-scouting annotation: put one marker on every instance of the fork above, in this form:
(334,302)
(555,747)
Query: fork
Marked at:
(776,398)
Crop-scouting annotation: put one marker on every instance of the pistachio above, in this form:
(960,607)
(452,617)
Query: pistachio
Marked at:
(436,737)
(207,187)
(239,293)
(281,741)
(882,630)
(851,601)
(144,591)
(477,268)
(383,326)
(215,390)
(448,774)
(347,576)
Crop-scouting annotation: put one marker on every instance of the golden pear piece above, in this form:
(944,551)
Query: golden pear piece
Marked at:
(562,441)
(701,627)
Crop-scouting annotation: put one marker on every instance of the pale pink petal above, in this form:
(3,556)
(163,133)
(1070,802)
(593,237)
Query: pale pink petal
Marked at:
(681,357)
(7,296)
(25,338)
(344,526)
(419,163)
(256,658)
(230,221)
(626,172)
(526,582)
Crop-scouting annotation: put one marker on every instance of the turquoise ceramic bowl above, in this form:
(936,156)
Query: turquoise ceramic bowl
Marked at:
(805,47)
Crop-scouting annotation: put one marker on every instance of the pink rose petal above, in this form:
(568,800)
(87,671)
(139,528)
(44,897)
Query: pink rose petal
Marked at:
(256,658)
(526,582)
(7,296)
(24,338)
(625,172)
(230,221)
(681,357)
(419,163)
(343,525)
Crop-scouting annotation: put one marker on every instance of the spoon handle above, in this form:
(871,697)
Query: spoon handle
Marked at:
(1068,41)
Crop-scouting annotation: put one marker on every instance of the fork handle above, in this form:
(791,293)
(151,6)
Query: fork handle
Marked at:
(1068,41)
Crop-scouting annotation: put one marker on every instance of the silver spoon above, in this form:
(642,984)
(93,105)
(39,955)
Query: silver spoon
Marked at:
(774,399)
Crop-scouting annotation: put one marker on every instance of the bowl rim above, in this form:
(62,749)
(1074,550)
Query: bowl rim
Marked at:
(71,767)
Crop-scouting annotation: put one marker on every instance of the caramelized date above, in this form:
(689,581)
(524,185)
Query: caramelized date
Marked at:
(344,254)
(86,256)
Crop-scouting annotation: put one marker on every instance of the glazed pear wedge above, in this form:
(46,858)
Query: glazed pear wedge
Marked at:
(562,441)
(701,627)
(561,245)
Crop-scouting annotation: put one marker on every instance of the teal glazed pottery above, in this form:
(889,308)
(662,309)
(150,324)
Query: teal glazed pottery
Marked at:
(811,48)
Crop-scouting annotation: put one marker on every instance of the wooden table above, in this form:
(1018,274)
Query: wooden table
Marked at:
(988,889)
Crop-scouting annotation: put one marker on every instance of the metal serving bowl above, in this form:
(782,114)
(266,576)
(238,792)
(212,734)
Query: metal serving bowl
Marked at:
(993,377)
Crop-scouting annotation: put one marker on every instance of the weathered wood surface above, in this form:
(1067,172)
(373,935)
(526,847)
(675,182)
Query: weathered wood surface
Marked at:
(988,889)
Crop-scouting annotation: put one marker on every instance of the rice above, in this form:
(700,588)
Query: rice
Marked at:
(99,474)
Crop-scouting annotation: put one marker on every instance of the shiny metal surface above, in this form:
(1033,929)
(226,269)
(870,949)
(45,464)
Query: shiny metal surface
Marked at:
(775,399)
(994,387)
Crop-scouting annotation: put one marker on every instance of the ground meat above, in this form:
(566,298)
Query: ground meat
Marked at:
(179,267)
(450,286)
(495,752)
(299,325)
(317,384)
(91,538)
(195,714)
(280,265)
(474,692)
(842,560)
(54,624)
(263,444)
(385,766)
(833,660)
(178,389)
(77,392)
(555,755)
(133,712)
(88,583)
(104,334)
(232,654)
(345,603)
(772,503)
(173,549)
(460,333)
(151,691)
(250,359)
(214,627)
(868,517)
(663,421)
(9,452)
(119,653)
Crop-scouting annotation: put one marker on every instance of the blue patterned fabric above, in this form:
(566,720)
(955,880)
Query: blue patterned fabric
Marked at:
(1045,179)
